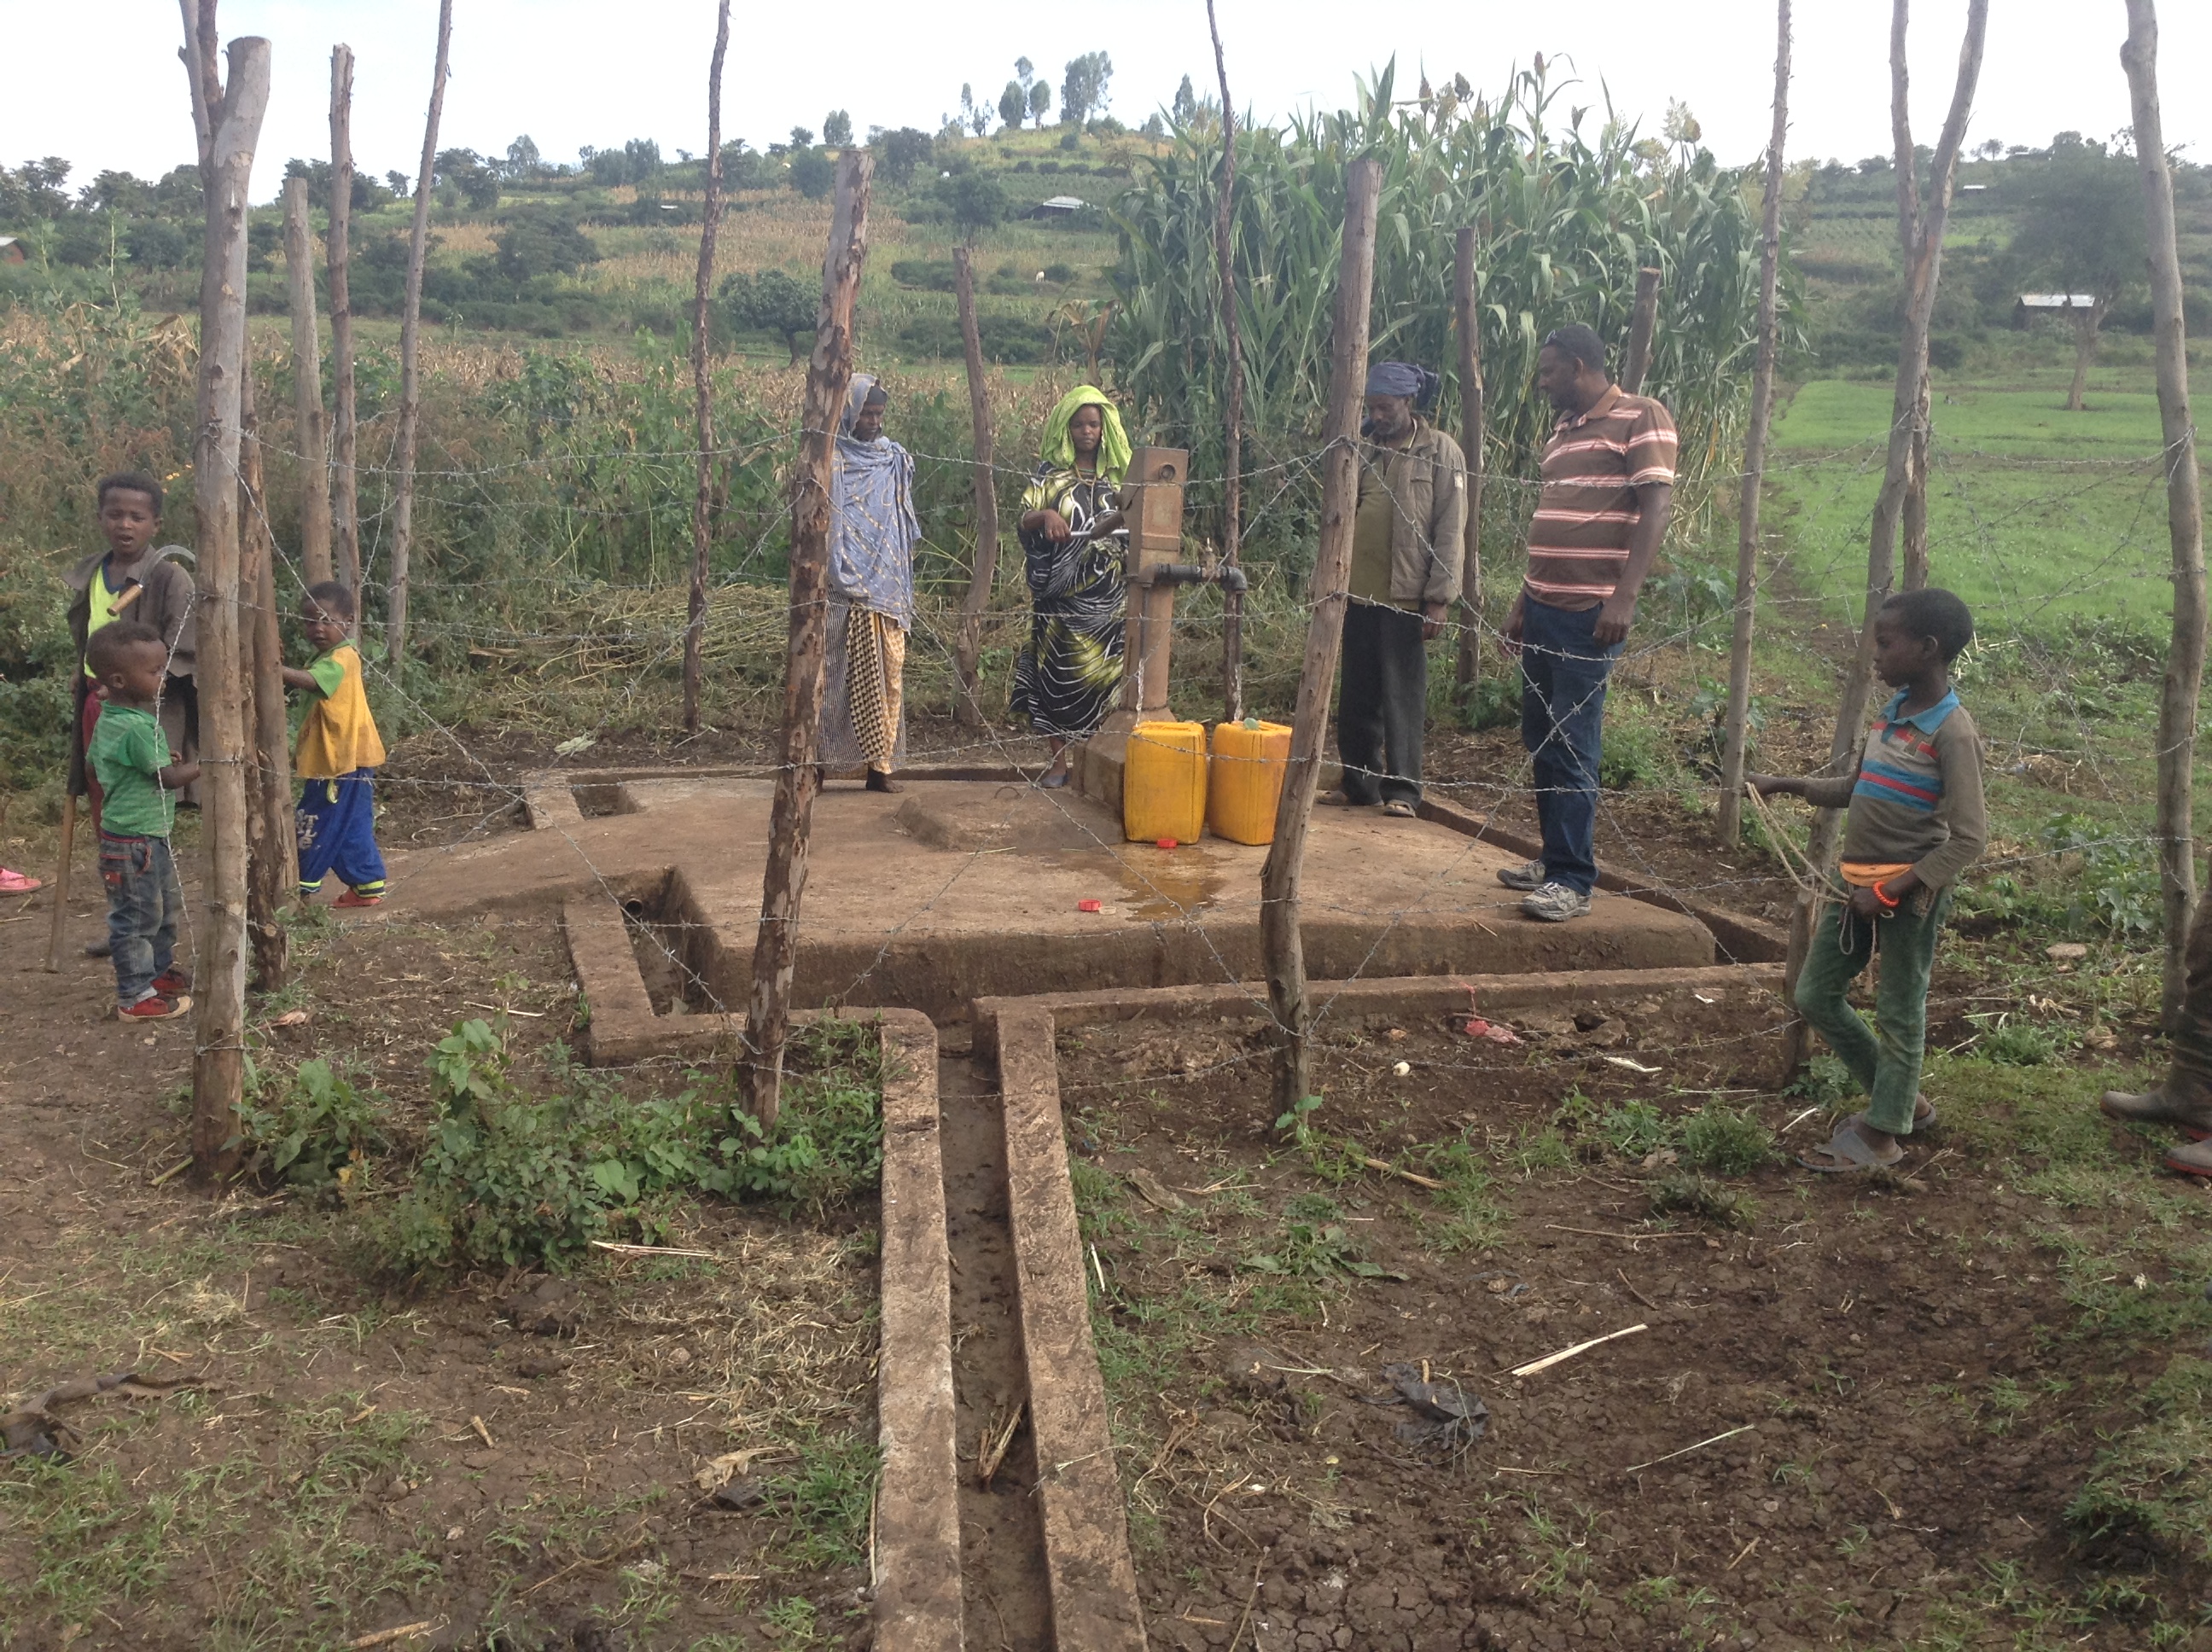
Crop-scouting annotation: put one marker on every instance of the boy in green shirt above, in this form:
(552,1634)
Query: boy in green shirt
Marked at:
(129,755)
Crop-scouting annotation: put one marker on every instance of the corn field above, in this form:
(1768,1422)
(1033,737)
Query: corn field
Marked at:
(1563,221)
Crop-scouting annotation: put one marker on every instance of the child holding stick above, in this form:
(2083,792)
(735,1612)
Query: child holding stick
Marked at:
(1916,821)
(129,755)
(338,753)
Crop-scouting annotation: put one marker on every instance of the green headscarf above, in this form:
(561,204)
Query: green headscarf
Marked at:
(1058,451)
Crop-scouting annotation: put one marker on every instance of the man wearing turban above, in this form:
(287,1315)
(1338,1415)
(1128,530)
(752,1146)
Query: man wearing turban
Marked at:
(1406,544)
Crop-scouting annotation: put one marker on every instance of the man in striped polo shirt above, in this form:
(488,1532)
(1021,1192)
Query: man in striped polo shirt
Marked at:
(1608,482)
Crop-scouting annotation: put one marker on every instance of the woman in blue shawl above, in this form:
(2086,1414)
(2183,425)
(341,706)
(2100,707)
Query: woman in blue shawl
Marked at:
(1065,681)
(872,534)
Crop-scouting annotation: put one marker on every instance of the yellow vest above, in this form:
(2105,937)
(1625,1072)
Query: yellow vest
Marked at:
(340,736)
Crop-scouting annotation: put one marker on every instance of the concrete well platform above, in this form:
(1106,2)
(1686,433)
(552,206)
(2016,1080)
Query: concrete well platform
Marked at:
(962,888)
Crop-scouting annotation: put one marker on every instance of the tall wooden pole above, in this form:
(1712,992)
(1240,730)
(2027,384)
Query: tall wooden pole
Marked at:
(229,124)
(702,502)
(2184,508)
(1281,944)
(1920,228)
(829,374)
(1642,321)
(345,490)
(1912,514)
(271,852)
(411,325)
(1232,450)
(968,647)
(306,386)
(1473,432)
(1734,737)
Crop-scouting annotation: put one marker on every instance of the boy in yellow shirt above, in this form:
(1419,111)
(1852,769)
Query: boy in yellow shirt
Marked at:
(337,756)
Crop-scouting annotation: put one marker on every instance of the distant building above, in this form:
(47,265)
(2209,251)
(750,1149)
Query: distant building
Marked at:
(2062,306)
(11,250)
(1059,206)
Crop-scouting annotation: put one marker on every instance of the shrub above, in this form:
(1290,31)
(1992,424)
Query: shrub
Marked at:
(537,244)
(930,275)
(1634,1129)
(320,1129)
(1681,1194)
(1493,702)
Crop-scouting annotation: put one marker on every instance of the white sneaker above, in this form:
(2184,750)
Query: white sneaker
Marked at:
(1554,903)
(1530,877)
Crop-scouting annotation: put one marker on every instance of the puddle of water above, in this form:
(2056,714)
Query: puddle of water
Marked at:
(1165,884)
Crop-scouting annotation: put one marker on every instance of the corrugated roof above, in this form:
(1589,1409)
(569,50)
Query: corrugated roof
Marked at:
(2059,300)
(1064,202)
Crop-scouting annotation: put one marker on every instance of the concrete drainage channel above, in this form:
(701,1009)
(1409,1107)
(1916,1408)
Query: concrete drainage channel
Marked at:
(986,1337)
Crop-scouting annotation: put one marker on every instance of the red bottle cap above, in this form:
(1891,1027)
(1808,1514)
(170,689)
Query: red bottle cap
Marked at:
(1087,905)
(1164,843)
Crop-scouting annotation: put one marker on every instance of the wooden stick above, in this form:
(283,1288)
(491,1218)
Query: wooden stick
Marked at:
(271,841)
(1281,944)
(1734,735)
(1550,1360)
(1686,1450)
(1473,432)
(829,374)
(410,327)
(307,386)
(1920,230)
(59,921)
(1389,1168)
(703,388)
(968,646)
(386,1637)
(1232,450)
(1642,321)
(2185,514)
(345,491)
(231,128)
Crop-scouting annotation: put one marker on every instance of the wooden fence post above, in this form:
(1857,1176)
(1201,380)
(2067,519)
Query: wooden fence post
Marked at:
(229,125)
(1281,943)
(1920,232)
(1642,321)
(968,646)
(306,386)
(1473,425)
(702,503)
(1735,733)
(345,491)
(1232,452)
(829,374)
(271,861)
(410,384)
(2184,510)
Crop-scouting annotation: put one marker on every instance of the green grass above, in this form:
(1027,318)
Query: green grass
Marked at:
(2037,516)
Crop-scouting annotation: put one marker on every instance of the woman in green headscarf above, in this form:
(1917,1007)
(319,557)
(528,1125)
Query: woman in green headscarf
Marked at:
(1065,679)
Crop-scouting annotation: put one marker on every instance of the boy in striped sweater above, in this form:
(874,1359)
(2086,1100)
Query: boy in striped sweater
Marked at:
(1916,821)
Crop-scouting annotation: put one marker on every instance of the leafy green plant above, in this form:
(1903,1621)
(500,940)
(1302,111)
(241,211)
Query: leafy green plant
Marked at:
(1725,1141)
(1314,1245)
(1469,1217)
(1824,1080)
(318,1127)
(1634,1129)
(1492,701)
(2011,1043)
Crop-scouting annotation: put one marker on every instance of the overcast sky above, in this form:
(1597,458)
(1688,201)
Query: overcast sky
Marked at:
(97,82)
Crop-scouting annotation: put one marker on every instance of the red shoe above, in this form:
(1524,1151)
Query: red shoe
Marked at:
(156,1008)
(353,897)
(172,981)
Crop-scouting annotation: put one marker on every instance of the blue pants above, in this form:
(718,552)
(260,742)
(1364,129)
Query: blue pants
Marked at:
(144,900)
(337,822)
(1562,678)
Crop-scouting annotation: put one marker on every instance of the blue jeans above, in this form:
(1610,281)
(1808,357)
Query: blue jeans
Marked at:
(1562,678)
(144,900)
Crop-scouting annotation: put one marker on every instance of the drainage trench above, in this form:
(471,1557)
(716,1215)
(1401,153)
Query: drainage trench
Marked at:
(1006,1604)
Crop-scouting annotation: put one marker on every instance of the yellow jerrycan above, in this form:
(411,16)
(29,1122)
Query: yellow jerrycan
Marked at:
(1163,783)
(1250,761)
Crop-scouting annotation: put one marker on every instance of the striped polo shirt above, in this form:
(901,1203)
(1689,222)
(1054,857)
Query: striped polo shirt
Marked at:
(1578,539)
(1916,796)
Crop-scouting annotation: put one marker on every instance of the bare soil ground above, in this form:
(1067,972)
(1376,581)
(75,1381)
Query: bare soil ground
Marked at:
(1942,1392)
(513,1465)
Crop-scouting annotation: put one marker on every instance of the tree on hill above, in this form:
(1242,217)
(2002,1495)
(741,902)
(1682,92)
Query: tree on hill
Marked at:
(838,129)
(2081,230)
(772,302)
(1040,100)
(900,153)
(1184,109)
(533,244)
(813,174)
(1013,104)
(523,160)
(974,201)
(1082,91)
